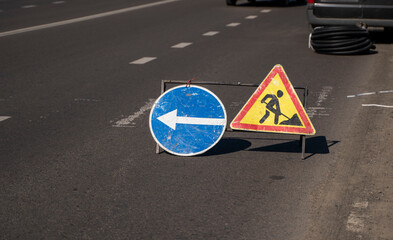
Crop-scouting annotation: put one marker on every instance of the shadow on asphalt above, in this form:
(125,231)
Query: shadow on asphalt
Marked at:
(228,145)
(314,145)
(382,37)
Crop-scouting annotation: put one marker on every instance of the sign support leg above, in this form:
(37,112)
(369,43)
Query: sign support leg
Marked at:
(303,144)
(303,137)
(163,85)
(302,141)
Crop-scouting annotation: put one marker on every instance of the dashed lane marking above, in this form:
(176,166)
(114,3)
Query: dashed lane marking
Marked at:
(266,11)
(86,100)
(361,94)
(376,105)
(251,17)
(318,109)
(28,6)
(360,205)
(86,18)
(370,93)
(58,2)
(211,33)
(323,95)
(182,45)
(357,217)
(143,60)
(3,118)
(355,222)
(129,121)
(233,24)
(387,91)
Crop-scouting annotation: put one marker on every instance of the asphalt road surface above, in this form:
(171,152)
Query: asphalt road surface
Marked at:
(77,160)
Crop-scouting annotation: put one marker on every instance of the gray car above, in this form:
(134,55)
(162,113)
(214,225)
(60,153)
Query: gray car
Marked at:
(375,13)
(281,2)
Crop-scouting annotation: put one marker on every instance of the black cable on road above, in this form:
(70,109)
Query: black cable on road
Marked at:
(341,40)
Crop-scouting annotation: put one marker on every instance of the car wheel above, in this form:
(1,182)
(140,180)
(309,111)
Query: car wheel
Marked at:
(284,2)
(389,29)
(231,2)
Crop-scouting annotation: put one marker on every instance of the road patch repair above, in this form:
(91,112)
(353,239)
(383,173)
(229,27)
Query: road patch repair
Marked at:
(185,121)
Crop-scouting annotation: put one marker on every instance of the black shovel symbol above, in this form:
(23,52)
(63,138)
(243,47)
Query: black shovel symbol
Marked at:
(293,121)
(273,106)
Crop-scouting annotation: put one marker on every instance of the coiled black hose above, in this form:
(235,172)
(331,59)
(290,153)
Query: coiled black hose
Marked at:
(341,40)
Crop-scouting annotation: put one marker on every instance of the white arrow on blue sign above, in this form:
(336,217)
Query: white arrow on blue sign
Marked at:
(187,120)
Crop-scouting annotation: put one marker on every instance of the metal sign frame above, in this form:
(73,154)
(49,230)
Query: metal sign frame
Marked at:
(238,84)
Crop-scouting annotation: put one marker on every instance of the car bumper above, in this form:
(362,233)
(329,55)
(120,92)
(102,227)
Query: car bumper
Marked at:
(316,21)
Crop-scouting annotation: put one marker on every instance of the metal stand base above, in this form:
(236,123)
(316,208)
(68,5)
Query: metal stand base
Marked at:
(305,94)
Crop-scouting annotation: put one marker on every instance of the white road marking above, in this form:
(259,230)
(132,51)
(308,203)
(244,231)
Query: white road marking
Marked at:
(251,17)
(266,11)
(182,45)
(86,18)
(319,110)
(86,100)
(370,93)
(376,105)
(211,33)
(3,118)
(129,121)
(143,60)
(58,2)
(28,6)
(357,217)
(355,222)
(366,94)
(236,104)
(387,91)
(323,95)
(361,205)
(233,24)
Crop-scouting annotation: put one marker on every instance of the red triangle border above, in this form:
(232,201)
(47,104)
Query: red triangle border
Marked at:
(278,69)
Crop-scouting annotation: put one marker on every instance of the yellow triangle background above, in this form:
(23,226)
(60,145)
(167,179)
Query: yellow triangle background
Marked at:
(258,110)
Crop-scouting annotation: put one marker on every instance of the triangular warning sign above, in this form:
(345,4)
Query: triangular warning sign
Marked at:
(274,107)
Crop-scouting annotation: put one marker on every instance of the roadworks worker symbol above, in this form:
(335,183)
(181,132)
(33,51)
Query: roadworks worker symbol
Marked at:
(274,107)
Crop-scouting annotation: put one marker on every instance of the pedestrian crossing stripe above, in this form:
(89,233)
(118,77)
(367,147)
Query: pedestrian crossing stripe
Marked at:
(274,107)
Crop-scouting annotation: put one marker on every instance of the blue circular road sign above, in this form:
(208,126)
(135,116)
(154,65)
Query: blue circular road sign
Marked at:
(187,120)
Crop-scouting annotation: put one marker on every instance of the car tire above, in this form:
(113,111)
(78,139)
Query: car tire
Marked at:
(284,2)
(389,29)
(231,2)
